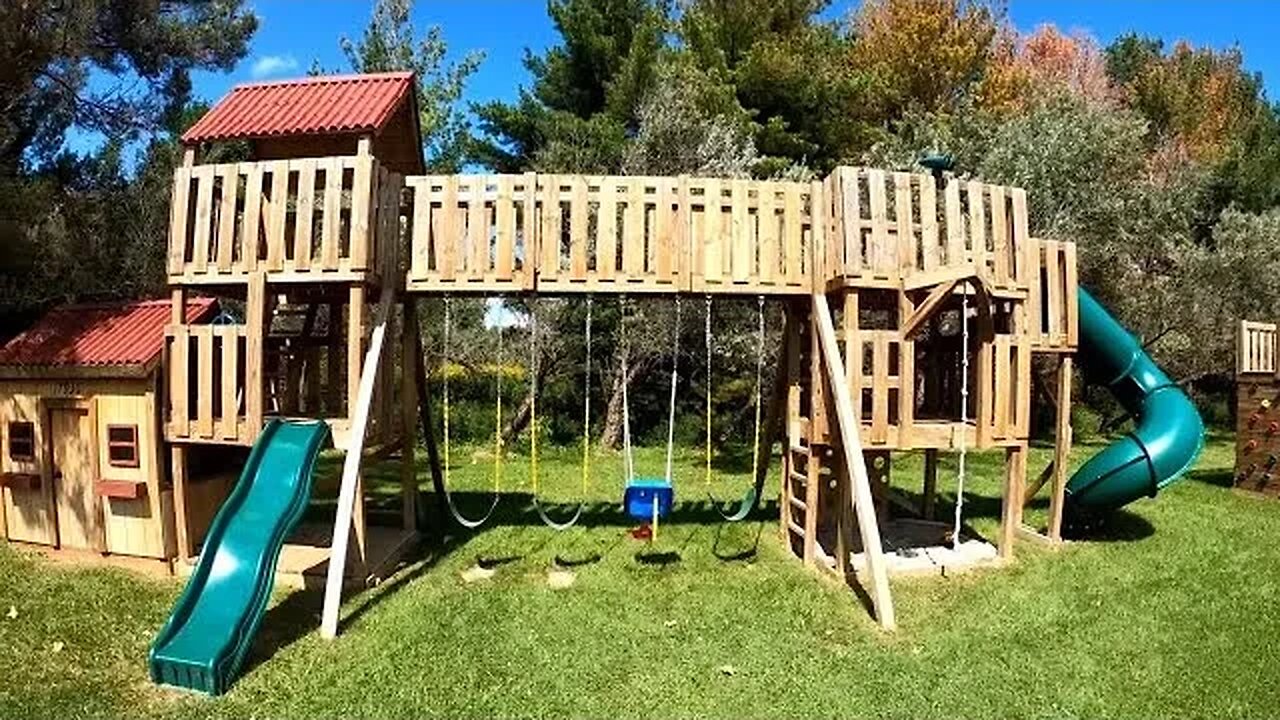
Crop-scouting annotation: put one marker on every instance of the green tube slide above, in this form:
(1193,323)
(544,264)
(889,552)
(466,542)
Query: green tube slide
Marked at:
(212,626)
(1167,434)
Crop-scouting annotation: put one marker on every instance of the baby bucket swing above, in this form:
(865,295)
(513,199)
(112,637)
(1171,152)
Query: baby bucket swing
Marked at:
(648,498)
(752,496)
(443,487)
(533,423)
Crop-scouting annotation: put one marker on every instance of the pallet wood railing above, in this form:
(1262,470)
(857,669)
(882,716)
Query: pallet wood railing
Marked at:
(890,226)
(1006,415)
(574,233)
(1256,348)
(1052,309)
(301,219)
(208,398)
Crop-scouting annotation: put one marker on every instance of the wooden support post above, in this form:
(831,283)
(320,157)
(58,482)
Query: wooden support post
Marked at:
(850,443)
(817,448)
(178,470)
(1061,448)
(1015,478)
(930,493)
(355,347)
(408,417)
(793,421)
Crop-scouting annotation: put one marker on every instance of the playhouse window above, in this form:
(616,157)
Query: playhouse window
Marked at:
(22,441)
(122,445)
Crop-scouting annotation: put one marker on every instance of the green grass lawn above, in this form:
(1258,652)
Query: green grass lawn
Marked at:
(1173,609)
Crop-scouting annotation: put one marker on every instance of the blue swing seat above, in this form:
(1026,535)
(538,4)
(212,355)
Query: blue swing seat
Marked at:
(641,494)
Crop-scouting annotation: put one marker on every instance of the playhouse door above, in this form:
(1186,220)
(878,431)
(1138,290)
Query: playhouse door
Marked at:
(79,512)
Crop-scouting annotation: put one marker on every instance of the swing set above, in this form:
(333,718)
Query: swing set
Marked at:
(645,498)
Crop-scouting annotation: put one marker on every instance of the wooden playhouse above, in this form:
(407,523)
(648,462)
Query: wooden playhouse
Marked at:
(83,465)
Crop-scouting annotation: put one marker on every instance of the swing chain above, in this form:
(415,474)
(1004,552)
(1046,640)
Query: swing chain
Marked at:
(707,449)
(964,412)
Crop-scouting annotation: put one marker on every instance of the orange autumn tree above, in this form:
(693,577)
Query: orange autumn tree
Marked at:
(1047,59)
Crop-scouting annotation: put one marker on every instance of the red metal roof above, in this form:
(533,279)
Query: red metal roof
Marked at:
(100,335)
(321,105)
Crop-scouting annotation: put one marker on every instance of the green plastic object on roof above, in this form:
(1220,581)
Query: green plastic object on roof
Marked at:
(204,642)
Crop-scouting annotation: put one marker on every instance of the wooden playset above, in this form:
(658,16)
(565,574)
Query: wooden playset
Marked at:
(915,305)
(1257,414)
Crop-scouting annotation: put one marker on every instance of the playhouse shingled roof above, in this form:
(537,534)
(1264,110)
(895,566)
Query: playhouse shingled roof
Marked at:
(121,335)
(321,105)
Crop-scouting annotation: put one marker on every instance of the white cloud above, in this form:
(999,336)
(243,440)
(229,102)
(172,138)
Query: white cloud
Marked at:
(269,65)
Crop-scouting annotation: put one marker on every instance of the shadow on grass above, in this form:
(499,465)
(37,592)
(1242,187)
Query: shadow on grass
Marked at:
(1218,477)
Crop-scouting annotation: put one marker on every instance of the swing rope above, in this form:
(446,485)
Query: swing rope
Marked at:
(964,412)
(534,366)
(752,497)
(626,410)
(458,517)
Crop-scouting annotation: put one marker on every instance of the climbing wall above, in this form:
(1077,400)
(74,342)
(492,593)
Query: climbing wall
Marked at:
(1258,434)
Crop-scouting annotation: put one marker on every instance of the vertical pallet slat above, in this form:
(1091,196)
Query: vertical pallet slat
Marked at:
(178,220)
(633,250)
(1023,380)
(681,235)
(420,231)
(205,381)
(230,335)
(793,228)
(277,212)
(664,222)
(224,241)
(931,250)
(304,213)
(1034,321)
(450,229)
(1002,391)
(768,222)
(332,223)
(607,231)
(363,180)
(712,266)
(1028,269)
(880,388)
(741,242)
(204,216)
(549,236)
(881,252)
(529,231)
(477,264)
(977,225)
(579,212)
(504,215)
(902,206)
(817,232)
(179,346)
(999,235)
(955,223)
(851,221)
(1053,267)
(1070,283)
(251,225)
(906,391)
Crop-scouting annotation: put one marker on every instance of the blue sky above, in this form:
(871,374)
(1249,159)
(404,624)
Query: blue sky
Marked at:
(294,33)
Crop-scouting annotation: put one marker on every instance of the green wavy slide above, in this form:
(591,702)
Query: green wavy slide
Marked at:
(1167,434)
(205,641)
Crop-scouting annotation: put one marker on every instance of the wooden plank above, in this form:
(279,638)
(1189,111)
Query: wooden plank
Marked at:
(1025,250)
(999,235)
(204,217)
(906,391)
(579,212)
(250,226)
(450,230)
(853,351)
(1053,268)
(529,232)
(349,490)
(1002,389)
(178,474)
(278,209)
(363,180)
(931,250)
(850,444)
(927,307)
(742,231)
(768,223)
(881,254)
(504,211)
(977,224)
(607,231)
(331,224)
(879,388)
(908,248)
(1061,447)
(663,223)
(179,422)
(177,225)
(1069,294)
(818,208)
(304,212)
(420,232)
(850,221)
(955,223)
(255,335)
(204,379)
(477,230)
(682,234)
(1022,377)
(230,335)
(986,367)
(633,236)
(1035,321)
(793,227)
(712,244)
